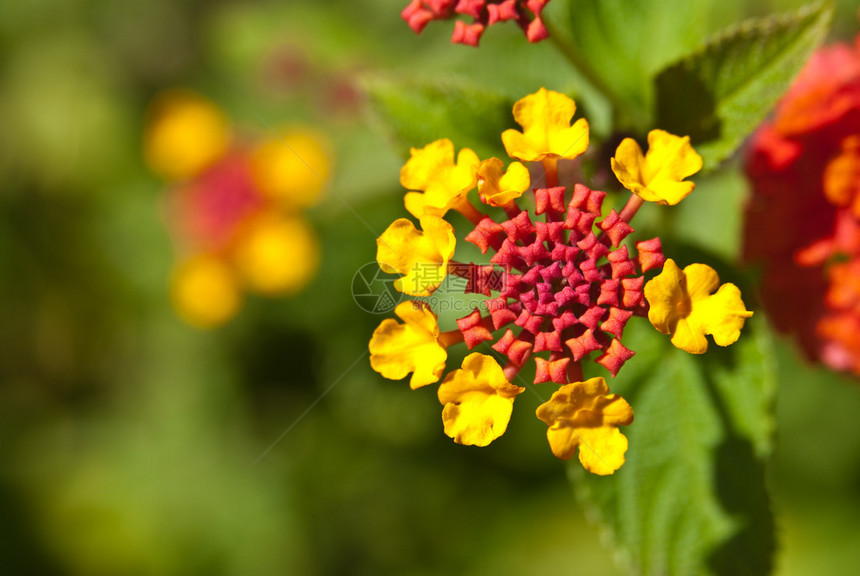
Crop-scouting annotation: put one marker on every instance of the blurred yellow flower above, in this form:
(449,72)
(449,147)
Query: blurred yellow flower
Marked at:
(585,416)
(398,349)
(444,183)
(545,117)
(682,304)
(205,291)
(292,168)
(185,134)
(238,206)
(499,187)
(658,175)
(421,257)
(478,401)
(277,254)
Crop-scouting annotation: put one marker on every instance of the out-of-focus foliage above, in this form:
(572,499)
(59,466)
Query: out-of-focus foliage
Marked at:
(133,444)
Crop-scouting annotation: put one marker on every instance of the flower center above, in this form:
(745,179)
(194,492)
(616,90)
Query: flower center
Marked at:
(570,291)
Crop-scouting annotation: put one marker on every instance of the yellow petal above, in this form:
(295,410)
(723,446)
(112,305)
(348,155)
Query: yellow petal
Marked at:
(658,176)
(689,337)
(614,410)
(500,187)
(701,281)
(563,441)
(478,401)
(277,255)
(421,257)
(478,372)
(477,419)
(398,349)
(570,399)
(627,165)
(205,292)
(443,182)
(425,163)
(416,204)
(293,167)
(545,117)
(667,298)
(185,134)
(723,314)
(601,450)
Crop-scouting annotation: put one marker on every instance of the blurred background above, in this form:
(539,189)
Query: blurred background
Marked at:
(134,443)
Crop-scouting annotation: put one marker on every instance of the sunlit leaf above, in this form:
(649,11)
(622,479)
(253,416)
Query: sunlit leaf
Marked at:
(627,43)
(718,95)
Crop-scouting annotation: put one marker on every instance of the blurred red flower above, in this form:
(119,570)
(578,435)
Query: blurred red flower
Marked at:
(803,218)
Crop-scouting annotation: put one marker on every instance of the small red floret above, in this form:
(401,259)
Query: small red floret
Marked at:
(615,357)
(474,329)
(551,370)
(650,254)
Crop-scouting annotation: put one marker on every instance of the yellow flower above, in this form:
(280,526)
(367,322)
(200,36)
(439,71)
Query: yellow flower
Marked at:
(586,416)
(478,401)
(547,133)
(658,176)
(499,187)
(186,133)
(444,183)
(205,291)
(293,167)
(682,304)
(398,349)
(277,254)
(421,257)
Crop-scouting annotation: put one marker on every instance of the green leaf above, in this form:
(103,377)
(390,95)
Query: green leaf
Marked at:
(416,113)
(627,43)
(691,498)
(712,217)
(719,94)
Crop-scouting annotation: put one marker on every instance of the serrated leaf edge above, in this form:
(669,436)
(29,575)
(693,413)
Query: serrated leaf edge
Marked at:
(762,26)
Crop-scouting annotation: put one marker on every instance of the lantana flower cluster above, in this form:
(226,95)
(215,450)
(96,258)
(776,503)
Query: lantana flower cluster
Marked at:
(559,288)
(484,13)
(235,206)
(803,220)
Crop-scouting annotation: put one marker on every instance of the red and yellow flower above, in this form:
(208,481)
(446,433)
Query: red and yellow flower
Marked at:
(559,288)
